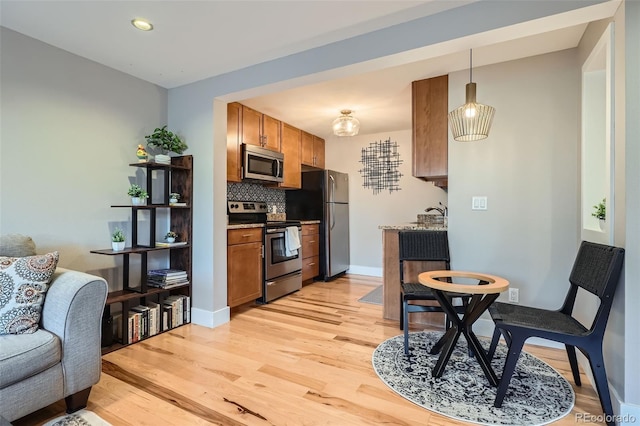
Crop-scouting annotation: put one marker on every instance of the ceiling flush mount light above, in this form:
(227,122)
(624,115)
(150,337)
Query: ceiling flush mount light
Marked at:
(471,121)
(346,124)
(142,24)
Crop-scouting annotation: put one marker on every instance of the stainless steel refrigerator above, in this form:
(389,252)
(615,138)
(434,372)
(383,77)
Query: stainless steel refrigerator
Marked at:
(325,196)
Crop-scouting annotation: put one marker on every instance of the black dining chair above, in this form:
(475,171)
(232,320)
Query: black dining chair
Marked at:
(420,246)
(596,269)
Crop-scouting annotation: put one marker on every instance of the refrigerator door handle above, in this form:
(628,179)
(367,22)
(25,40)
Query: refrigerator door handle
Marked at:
(333,188)
(333,215)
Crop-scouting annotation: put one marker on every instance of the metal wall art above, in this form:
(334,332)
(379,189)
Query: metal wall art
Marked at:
(380,172)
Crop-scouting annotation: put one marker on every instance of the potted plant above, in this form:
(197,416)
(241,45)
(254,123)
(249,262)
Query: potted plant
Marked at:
(167,141)
(117,240)
(600,212)
(171,237)
(137,194)
(173,197)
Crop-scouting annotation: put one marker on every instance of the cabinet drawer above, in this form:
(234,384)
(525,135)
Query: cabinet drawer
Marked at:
(311,229)
(310,246)
(246,235)
(310,267)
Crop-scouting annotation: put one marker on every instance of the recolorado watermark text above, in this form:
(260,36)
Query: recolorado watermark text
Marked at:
(592,418)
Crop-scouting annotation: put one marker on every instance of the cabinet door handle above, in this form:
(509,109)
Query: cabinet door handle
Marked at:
(246,235)
(311,264)
(313,241)
(262,252)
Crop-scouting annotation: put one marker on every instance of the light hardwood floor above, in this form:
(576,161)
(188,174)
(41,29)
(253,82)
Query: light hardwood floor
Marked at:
(301,360)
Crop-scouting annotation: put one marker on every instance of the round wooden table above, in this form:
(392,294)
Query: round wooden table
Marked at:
(481,296)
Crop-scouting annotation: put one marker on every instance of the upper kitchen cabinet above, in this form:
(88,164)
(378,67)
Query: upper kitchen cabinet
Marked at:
(430,138)
(312,150)
(260,129)
(234,131)
(291,150)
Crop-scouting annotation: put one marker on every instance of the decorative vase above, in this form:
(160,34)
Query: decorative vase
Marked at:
(136,201)
(173,200)
(117,245)
(171,240)
(602,223)
(163,159)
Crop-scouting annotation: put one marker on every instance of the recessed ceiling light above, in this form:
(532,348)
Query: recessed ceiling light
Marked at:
(142,24)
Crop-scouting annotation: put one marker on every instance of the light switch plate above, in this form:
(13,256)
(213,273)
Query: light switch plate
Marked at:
(479,203)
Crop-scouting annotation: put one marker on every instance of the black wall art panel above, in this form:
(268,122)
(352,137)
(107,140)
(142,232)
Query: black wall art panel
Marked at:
(380,162)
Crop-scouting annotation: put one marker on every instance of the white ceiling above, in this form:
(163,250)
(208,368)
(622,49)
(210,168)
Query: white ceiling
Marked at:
(194,40)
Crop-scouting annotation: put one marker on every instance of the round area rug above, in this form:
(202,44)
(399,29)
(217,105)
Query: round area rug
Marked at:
(537,394)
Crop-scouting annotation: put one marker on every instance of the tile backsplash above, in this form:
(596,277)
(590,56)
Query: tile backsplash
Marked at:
(255,192)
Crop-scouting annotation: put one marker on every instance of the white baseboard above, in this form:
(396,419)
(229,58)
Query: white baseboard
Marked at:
(365,270)
(210,319)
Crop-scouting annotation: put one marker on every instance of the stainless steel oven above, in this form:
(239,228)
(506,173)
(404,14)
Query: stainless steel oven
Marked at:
(282,267)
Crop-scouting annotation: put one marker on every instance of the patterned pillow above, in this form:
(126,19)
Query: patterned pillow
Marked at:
(23,284)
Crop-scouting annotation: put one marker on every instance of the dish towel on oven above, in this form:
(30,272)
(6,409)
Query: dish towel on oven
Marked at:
(291,241)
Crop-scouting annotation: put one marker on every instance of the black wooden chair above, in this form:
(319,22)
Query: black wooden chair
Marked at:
(597,270)
(422,246)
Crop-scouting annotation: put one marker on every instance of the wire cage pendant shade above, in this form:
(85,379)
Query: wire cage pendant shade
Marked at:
(346,124)
(471,121)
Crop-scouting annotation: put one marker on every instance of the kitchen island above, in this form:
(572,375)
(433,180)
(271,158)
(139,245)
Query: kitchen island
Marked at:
(391,274)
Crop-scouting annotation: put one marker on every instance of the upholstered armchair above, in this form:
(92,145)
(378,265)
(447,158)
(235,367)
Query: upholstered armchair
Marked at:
(62,358)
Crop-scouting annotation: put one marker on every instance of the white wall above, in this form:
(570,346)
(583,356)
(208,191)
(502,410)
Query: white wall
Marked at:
(70,127)
(366,210)
(528,169)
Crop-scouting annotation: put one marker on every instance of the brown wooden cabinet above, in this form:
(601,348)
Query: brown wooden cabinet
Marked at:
(430,133)
(312,150)
(310,251)
(291,150)
(244,265)
(234,132)
(260,129)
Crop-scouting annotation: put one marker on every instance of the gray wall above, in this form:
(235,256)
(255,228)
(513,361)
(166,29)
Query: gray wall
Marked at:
(70,127)
(528,169)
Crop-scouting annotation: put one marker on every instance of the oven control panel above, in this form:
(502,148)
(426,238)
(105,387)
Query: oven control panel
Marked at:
(247,207)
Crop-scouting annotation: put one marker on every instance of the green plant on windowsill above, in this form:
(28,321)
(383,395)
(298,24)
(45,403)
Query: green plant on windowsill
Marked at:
(600,210)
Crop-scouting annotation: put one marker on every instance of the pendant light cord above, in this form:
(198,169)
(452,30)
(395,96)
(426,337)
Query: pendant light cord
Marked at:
(470,65)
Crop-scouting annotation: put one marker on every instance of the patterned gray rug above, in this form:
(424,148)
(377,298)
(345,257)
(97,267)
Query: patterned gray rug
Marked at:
(537,394)
(79,418)
(374,296)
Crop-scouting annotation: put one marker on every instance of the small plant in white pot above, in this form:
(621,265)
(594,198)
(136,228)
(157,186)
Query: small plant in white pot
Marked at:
(137,194)
(600,212)
(117,240)
(171,237)
(174,197)
(167,141)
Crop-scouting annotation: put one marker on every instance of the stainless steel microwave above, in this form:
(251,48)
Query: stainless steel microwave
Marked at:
(261,164)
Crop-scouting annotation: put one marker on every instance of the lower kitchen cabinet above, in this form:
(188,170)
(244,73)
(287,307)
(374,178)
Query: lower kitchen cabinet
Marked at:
(244,265)
(310,251)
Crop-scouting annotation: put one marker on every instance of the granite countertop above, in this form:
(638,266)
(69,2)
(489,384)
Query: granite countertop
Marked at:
(414,227)
(309,222)
(246,225)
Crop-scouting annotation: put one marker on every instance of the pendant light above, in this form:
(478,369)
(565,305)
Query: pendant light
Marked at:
(346,124)
(471,121)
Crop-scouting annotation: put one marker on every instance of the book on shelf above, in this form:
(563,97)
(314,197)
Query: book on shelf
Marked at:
(166,284)
(178,204)
(143,325)
(167,272)
(166,244)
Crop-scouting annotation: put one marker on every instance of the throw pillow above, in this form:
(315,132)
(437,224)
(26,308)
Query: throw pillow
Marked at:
(23,284)
(16,245)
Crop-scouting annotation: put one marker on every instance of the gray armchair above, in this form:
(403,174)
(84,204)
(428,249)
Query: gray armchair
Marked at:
(62,359)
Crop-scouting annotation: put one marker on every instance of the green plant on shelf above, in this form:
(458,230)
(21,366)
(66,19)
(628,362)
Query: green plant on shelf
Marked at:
(166,140)
(170,235)
(117,236)
(136,191)
(600,210)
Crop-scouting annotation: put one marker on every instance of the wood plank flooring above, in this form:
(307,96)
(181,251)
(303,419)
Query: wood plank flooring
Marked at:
(301,360)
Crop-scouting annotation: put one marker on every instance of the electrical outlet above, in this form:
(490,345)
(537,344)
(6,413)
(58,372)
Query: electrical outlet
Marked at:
(514,295)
